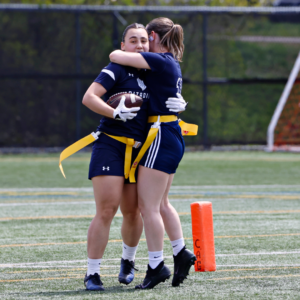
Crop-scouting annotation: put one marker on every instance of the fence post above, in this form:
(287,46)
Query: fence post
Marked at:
(115,36)
(204,78)
(78,72)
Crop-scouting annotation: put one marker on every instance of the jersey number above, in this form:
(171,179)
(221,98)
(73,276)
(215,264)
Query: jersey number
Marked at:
(179,85)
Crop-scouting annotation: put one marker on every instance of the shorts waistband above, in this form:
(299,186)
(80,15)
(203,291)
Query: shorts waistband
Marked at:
(162,119)
(128,141)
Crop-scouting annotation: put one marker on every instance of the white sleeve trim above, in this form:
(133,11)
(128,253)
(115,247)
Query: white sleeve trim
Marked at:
(110,73)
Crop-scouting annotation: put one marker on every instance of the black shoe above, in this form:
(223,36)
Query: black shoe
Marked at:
(182,264)
(126,274)
(93,282)
(155,276)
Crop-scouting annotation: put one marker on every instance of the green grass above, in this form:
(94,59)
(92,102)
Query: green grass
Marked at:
(196,168)
(256,206)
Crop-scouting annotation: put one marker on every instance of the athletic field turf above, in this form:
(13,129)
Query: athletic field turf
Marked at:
(256,204)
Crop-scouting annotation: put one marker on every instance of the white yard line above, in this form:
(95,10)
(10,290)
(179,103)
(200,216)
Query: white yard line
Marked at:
(259,266)
(65,263)
(70,263)
(260,253)
(245,197)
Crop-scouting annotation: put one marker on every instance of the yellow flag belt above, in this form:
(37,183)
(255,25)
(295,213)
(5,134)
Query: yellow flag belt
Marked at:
(187,129)
(93,137)
(76,147)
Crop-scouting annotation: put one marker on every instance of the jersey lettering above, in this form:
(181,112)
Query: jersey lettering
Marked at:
(142,95)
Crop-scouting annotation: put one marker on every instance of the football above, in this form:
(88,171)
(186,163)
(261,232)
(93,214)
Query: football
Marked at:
(131,100)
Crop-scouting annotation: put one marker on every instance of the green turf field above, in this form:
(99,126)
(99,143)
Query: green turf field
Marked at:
(256,204)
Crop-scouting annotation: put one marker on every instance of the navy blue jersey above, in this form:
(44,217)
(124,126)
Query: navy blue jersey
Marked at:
(163,81)
(116,79)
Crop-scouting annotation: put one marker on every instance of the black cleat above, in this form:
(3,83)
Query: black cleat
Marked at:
(126,274)
(182,264)
(155,276)
(93,282)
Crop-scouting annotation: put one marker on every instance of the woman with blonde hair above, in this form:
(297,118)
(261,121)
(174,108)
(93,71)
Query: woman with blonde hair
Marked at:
(161,159)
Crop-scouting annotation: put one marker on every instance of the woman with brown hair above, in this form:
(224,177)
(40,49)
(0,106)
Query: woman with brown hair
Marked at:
(106,170)
(163,149)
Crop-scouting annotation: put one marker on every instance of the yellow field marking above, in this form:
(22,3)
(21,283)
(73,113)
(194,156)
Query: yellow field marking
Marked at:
(180,214)
(88,197)
(49,217)
(116,275)
(41,244)
(105,268)
(257,269)
(53,278)
(10,193)
(256,277)
(143,240)
(251,236)
(63,243)
(284,197)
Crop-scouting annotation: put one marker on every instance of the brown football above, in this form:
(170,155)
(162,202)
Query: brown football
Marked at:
(131,100)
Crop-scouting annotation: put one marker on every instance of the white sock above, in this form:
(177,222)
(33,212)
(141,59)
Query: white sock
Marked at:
(155,258)
(177,245)
(129,252)
(93,266)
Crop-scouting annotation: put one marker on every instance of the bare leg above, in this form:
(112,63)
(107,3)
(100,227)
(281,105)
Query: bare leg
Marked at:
(132,226)
(170,216)
(107,191)
(152,185)
(184,259)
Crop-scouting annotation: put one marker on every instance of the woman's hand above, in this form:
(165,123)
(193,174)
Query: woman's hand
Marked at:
(123,113)
(176,104)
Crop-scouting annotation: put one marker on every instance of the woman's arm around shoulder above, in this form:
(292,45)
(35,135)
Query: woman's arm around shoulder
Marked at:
(131,59)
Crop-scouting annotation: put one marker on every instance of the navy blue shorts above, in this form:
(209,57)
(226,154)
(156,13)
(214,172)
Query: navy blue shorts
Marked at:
(167,149)
(108,157)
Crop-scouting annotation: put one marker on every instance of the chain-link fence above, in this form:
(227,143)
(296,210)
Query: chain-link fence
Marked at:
(235,65)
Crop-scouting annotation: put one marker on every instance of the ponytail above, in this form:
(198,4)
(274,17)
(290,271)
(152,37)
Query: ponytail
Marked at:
(171,35)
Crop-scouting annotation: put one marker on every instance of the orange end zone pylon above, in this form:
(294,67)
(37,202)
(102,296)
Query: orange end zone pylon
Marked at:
(203,236)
